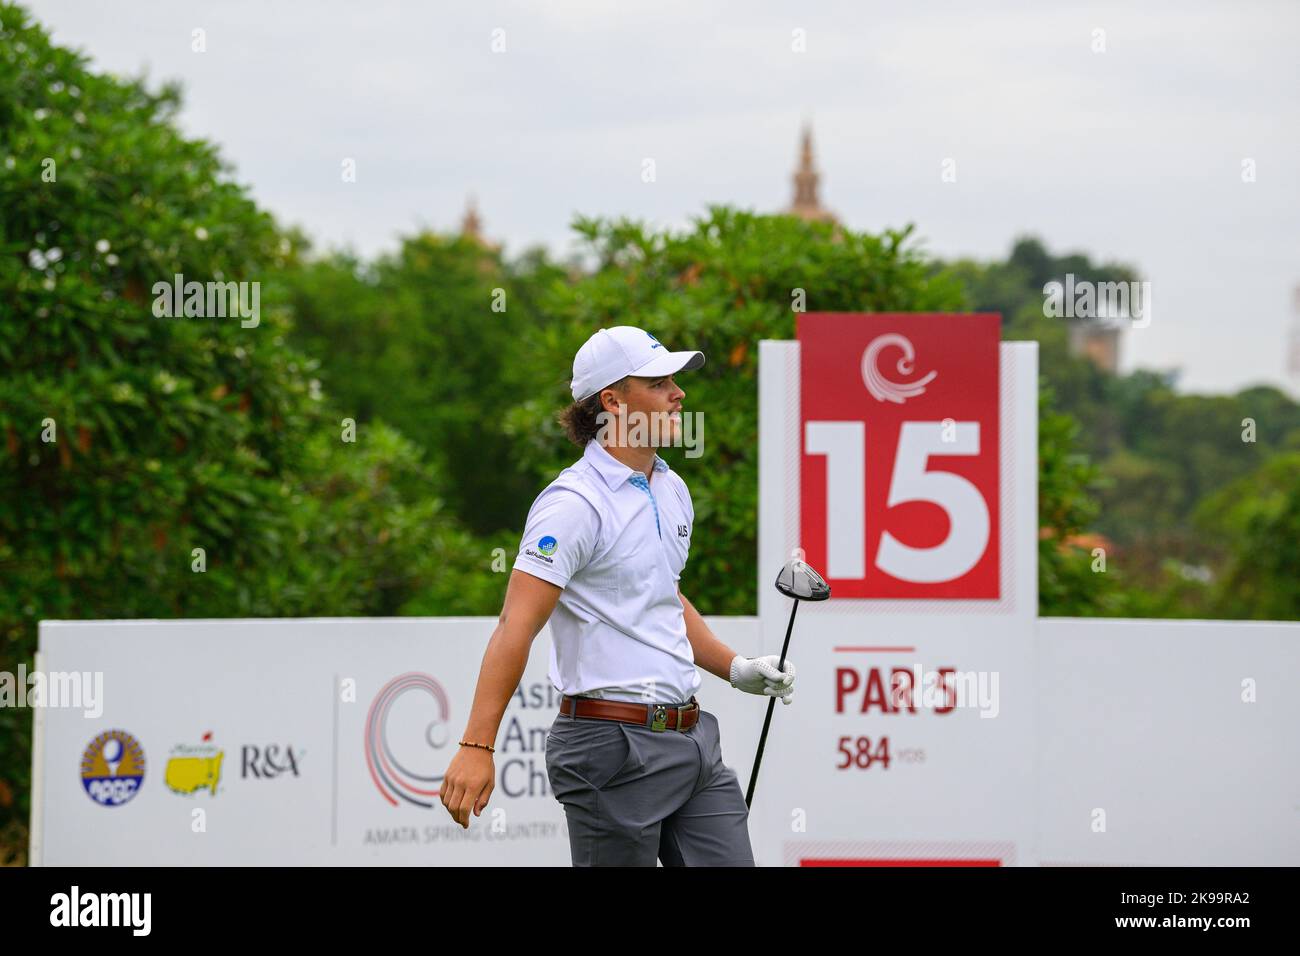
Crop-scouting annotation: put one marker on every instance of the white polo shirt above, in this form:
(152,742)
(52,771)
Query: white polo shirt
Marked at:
(618,630)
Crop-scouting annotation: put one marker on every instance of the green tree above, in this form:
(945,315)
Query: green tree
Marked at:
(428,339)
(1160,454)
(1074,576)
(128,439)
(1255,520)
(721,285)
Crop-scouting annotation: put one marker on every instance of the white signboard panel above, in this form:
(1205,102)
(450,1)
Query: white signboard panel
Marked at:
(299,741)
(873,772)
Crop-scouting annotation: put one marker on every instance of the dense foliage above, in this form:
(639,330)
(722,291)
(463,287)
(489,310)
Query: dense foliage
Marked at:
(369,439)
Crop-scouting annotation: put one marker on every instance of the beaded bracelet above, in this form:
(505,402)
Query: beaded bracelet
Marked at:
(466,743)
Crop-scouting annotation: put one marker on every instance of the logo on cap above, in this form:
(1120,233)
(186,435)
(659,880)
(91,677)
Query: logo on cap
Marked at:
(657,344)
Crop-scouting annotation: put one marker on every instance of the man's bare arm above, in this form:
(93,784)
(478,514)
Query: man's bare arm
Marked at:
(528,605)
(470,778)
(710,653)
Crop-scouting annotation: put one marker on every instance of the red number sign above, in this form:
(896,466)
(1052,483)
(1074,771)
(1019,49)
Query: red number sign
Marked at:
(899,457)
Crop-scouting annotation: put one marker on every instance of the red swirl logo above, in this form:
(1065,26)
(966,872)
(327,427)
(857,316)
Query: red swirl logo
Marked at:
(406,733)
(882,388)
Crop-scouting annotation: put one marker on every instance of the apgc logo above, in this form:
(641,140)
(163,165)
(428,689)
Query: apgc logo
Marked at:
(112,768)
(406,739)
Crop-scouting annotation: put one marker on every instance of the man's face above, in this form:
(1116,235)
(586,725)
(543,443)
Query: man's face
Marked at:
(656,403)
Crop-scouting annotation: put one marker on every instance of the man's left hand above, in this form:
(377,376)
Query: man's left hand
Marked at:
(759,675)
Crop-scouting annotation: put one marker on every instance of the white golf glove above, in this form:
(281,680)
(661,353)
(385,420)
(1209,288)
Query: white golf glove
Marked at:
(758,675)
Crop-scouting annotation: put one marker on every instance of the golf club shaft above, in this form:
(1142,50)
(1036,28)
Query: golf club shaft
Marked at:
(762,740)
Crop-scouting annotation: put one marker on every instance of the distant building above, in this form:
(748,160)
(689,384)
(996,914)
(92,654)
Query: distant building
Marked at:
(807,205)
(1096,338)
(1097,341)
(471,226)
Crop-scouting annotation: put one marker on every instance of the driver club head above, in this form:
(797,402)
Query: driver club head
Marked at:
(799,581)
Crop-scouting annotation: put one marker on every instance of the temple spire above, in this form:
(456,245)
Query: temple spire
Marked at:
(471,226)
(807,204)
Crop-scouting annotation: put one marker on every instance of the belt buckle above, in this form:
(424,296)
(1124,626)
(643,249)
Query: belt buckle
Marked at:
(659,717)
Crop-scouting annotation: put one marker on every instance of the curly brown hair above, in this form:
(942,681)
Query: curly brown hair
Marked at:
(581,420)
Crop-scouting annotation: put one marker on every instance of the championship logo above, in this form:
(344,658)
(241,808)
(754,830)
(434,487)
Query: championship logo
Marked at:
(406,733)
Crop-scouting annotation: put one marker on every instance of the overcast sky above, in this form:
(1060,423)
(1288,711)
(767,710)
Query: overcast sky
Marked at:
(1133,154)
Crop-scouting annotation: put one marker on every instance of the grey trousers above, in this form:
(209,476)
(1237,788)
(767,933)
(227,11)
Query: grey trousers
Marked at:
(632,794)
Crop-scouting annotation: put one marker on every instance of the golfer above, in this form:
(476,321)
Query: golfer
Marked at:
(631,755)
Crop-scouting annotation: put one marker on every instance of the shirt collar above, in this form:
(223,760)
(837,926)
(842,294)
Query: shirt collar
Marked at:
(611,469)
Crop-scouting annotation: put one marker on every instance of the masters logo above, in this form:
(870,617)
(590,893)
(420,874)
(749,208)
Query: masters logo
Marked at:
(194,767)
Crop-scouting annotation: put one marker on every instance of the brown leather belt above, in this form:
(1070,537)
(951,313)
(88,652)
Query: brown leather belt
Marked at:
(654,716)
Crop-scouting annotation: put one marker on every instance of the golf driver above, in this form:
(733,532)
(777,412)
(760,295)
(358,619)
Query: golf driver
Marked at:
(799,581)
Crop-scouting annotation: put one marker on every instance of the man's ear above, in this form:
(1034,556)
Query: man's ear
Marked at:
(617,397)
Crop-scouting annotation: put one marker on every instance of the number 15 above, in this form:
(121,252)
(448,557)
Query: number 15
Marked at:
(844,445)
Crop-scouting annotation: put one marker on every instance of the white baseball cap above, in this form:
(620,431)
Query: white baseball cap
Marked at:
(623,350)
